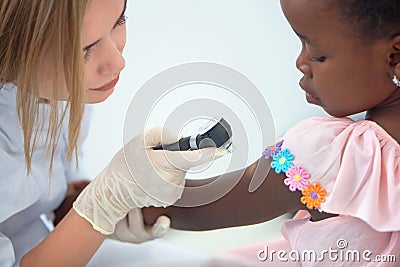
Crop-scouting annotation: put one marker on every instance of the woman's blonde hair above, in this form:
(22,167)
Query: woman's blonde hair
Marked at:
(33,32)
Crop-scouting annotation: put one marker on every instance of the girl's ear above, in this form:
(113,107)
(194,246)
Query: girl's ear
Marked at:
(395,55)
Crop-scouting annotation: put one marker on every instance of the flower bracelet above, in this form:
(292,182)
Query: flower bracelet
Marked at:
(297,177)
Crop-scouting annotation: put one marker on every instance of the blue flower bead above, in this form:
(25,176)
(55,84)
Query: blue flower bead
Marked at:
(282,161)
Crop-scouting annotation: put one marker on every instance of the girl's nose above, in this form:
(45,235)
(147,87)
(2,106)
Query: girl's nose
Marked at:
(305,69)
(303,66)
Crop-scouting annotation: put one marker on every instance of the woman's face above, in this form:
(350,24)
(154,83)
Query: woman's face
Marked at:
(104,38)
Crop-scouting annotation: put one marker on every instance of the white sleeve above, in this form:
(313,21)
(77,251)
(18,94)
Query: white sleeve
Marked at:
(17,190)
(7,257)
(14,183)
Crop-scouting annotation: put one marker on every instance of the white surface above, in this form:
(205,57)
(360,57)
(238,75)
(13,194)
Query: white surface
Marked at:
(151,254)
(249,36)
(218,240)
(182,248)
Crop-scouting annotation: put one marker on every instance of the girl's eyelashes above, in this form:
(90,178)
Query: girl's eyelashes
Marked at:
(316,59)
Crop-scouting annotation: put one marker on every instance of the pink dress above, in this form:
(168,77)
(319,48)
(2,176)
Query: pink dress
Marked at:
(358,164)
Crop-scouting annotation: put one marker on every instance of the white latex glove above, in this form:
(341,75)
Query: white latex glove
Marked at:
(139,176)
(132,229)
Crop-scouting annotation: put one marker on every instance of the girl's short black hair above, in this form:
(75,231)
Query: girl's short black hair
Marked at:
(372,19)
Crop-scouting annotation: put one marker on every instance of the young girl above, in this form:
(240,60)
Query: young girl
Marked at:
(341,175)
(70,51)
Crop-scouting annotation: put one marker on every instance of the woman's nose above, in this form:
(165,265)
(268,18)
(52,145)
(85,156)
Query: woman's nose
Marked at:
(114,61)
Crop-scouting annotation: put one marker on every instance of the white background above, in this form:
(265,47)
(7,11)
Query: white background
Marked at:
(251,37)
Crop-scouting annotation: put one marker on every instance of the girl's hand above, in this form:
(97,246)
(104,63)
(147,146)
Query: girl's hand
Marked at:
(136,177)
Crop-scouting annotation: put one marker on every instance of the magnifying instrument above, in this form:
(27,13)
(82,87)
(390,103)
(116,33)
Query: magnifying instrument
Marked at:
(216,133)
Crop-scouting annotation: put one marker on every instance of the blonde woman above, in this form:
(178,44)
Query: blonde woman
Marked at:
(69,51)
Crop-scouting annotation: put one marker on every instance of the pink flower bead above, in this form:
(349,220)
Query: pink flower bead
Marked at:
(297,178)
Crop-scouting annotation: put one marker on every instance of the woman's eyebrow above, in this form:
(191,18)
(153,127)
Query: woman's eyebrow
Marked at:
(93,44)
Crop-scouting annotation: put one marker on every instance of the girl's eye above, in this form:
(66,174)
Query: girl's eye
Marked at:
(318,59)
(121,21)
(87,54)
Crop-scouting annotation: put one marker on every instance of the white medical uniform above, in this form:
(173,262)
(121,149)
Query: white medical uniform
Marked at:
(26,199)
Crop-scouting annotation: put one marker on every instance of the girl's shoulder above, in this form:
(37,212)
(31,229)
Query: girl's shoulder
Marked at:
(338,133)
(355,163)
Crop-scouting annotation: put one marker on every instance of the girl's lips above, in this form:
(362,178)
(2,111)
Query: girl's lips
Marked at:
(108,86)
(312,99)
(309,97)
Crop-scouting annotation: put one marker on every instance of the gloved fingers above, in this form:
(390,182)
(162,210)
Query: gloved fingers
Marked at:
(136,225)
(143,232)
(169,136)
(160,227)
(170,192)
(185,160)
(158,135)
(121,231)
(131,229)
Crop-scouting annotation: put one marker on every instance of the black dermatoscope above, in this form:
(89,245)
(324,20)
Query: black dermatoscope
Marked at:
(217,134)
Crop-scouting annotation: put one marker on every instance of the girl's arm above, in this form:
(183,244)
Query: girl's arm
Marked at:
(73,191)
(238,207)
(72,243)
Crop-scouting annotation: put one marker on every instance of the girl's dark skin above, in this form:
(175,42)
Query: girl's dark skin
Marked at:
(238,207)
(344,74)
(73,191)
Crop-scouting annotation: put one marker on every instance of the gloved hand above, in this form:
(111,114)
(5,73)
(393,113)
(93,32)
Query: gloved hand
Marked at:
(139,176)
(132,229)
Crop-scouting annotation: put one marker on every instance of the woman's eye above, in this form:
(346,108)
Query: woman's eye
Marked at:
(86,56)
(88,51)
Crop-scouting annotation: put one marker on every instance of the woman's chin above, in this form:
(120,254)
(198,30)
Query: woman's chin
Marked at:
(94,97)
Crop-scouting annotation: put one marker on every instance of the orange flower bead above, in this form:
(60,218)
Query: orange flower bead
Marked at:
(313,196)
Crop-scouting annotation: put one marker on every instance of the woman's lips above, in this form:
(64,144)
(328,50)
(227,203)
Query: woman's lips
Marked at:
(107,86)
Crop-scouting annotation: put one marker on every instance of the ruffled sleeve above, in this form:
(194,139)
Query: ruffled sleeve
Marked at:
(356,162)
